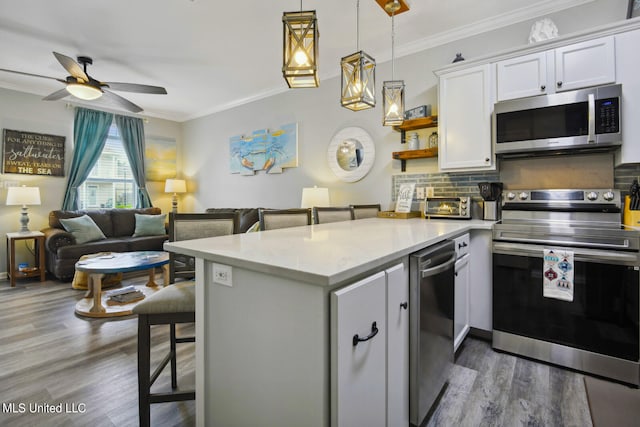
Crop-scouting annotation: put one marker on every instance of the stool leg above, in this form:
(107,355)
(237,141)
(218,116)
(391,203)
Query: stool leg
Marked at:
(144,368)
(174,369)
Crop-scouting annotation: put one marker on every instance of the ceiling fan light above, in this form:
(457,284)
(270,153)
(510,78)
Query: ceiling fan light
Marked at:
(358,81)
(84,91)
(300,49)
(393,102)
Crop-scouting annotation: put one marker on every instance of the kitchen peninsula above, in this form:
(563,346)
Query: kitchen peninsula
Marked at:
(263,338)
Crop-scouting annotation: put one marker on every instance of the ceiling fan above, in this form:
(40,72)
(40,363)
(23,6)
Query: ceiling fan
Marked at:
(83,86)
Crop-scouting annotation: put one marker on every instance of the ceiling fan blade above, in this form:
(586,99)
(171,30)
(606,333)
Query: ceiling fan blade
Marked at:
(32,75)
(132,87)
(71,66)
(122,102)
(59,94)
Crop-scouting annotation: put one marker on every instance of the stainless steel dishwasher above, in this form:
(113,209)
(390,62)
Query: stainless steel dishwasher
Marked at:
(431,299)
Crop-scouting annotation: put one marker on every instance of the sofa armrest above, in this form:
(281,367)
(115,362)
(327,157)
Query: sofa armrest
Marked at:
(55,238)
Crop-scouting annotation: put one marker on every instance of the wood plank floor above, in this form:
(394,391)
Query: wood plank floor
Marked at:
(48,355)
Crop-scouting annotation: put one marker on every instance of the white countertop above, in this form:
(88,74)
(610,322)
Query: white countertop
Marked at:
(326,254)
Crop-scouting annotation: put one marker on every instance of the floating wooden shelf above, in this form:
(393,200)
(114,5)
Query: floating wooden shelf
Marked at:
(403,156)
(419,123)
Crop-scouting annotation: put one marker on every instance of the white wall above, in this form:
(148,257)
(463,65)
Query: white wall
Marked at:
(319,116)
(26,112)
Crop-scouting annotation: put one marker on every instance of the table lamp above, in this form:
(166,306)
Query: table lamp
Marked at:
(175,186)
(23,196)
(314,197)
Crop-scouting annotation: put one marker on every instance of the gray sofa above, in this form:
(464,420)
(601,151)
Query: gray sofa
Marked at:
(118,225)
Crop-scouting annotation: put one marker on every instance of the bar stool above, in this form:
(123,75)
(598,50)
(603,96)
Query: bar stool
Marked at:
(168,306)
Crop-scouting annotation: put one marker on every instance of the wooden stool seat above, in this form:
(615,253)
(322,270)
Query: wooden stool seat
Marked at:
(170,305)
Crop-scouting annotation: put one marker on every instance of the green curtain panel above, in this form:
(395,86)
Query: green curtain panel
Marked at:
(90,130)
(132,134)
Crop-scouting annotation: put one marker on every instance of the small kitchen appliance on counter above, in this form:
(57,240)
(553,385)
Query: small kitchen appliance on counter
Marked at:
(447,207)
(491,192)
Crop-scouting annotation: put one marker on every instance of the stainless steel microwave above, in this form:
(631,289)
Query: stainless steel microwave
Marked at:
(578,120)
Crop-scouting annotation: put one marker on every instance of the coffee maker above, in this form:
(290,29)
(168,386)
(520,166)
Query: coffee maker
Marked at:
(491,192)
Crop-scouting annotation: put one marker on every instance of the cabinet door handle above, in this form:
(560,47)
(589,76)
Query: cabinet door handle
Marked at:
(487,160)
(404,305)
(559,84)
(543,87)
(374,332)
(462,245)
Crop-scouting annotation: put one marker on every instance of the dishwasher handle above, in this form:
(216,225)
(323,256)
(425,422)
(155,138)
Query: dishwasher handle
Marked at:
(438,268)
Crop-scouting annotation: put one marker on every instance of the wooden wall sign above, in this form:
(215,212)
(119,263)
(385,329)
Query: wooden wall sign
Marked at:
(32,153)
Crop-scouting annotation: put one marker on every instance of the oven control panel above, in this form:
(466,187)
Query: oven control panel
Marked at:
(608,196)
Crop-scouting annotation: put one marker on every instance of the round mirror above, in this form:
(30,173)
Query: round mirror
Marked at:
(351,154)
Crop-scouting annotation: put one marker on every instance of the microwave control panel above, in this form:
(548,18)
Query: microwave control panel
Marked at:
(607,115)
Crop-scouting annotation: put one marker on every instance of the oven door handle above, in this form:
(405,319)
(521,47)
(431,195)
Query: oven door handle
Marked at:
(586,255)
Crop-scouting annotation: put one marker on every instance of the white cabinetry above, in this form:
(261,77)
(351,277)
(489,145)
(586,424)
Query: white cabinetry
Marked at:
(370,351)
(465,107)
(628,71)
(570,67)
(461,294)
(481,281)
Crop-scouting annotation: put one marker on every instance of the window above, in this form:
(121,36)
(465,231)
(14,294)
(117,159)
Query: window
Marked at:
(110,183)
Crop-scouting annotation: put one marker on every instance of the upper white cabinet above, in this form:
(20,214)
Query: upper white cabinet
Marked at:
(522,76)
(628,71)
(465,106)
(589,63)
(570,67)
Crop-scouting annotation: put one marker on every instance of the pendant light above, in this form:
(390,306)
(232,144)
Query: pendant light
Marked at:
(358,76)
(392,90)
(300,48)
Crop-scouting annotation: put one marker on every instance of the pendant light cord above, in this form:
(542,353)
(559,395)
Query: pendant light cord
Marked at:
(357,25)
(393,43)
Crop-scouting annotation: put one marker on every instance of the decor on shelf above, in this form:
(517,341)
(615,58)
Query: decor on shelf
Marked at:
(543,29)
(351,154)
(32,153)
(300,49)
(358,76)
(23,196)
(392,90)
(175,186)
(313,197)
(266,149)
(458,58)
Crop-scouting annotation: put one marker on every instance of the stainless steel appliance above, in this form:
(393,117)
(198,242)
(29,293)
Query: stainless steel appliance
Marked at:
(431,303)
(575,120)
(447,207)
(491,192)
(596,331)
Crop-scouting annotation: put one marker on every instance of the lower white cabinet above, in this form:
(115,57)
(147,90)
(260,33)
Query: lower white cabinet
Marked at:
(481,281)
(370,351)
(461,298)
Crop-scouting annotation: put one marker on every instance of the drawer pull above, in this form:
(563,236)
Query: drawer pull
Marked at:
(404,305)
(374,332)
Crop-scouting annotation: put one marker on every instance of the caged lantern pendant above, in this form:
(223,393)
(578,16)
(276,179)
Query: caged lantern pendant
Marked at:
(358,76)
(392,90)
(300,49)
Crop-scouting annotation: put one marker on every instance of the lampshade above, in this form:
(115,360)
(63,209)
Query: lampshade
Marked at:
(23,196)
(358,76)
(84,91)
(314,197)
(175,186)
(300,49)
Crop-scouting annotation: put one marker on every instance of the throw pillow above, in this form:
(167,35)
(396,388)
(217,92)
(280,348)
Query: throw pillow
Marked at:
(83,229)
(150,225)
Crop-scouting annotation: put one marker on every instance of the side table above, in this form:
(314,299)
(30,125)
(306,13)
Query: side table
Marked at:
(12,269)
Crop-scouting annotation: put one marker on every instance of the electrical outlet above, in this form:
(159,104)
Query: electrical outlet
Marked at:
(222,274)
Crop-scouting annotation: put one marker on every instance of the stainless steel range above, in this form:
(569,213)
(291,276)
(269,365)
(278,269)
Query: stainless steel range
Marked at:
(566,281)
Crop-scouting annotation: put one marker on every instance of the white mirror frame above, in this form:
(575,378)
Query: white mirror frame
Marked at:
(369,154)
